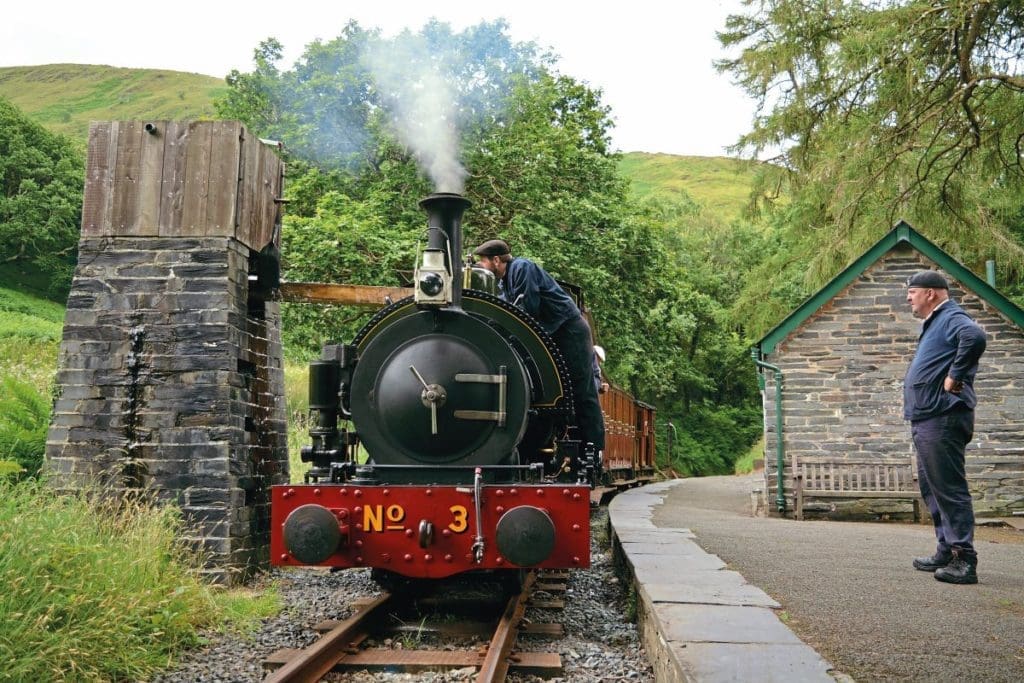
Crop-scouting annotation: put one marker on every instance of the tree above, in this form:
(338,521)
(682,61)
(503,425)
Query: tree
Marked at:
(327,107)
(883,110)
(538,169)
(41,179)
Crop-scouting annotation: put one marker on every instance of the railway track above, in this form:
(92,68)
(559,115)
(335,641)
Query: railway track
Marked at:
(345,646)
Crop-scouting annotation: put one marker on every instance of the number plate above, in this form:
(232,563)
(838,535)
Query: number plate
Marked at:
(383,526)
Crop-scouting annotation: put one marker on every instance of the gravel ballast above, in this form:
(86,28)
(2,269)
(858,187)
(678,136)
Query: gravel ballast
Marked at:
(599,641)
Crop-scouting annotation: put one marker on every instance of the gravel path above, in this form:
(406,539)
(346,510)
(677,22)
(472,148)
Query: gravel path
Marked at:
(599,644)
(848,588)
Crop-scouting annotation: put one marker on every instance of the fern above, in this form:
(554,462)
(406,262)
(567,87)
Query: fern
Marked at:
(24,419)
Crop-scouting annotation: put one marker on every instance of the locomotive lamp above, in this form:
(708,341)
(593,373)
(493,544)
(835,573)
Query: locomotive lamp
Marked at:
(433,281)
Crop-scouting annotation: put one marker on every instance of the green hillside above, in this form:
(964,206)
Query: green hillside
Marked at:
(66,97)
(720,184)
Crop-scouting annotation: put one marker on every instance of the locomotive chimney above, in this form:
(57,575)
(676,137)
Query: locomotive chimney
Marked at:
(444,248)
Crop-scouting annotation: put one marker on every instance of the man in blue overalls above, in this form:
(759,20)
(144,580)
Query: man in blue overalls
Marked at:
(939,400)
(525,284)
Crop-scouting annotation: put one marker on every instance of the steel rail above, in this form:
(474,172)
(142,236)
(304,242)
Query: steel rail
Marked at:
(319,658)
(495,666)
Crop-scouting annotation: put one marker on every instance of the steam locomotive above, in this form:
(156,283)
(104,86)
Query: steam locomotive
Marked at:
(463,456)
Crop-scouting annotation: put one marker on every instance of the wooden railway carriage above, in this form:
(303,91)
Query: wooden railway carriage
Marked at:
(629,436)
(645,424)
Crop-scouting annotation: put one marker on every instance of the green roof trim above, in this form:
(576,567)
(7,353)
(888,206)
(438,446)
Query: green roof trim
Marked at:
(902,232)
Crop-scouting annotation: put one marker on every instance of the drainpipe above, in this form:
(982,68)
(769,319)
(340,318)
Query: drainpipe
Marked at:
(780,460)
(671,439)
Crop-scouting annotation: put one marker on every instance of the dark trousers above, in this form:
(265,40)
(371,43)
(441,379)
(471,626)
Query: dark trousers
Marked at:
(940,442)
(577,347)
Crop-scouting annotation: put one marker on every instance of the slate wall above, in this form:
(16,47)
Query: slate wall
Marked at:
(170,375)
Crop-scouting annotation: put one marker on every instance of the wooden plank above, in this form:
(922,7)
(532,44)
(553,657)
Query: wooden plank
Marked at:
(860,494)
(249,170)
(172,179)
(260,191)
(417,660)
(97,180)
(364,296)
(321,656)
(197,180)
(151,169)
(551,587)
(225,149)
(125,200)
(267,188)
(540,629)
(420,660)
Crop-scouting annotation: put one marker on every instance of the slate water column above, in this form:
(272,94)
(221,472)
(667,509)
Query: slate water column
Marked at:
(170,375)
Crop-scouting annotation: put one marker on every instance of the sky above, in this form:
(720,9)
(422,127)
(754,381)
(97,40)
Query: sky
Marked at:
(652,59)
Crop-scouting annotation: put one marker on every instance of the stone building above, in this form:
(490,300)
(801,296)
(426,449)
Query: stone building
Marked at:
(170,372)
(842,356)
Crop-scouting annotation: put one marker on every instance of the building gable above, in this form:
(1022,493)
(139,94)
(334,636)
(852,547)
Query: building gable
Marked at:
(902,233)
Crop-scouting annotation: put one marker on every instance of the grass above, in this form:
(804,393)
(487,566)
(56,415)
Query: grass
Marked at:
(26,278)
(30,331)
(745,464)
(90,589)
(296,383)
(66,97)
(98,589)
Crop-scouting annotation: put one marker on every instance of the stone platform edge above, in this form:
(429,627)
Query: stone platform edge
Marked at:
(698,620)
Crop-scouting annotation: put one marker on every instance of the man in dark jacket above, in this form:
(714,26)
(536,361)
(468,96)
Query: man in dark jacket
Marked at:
(525,284)
(939,400)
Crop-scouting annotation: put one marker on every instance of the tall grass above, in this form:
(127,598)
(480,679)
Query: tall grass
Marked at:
(93,589)
(30,331)
(296,391)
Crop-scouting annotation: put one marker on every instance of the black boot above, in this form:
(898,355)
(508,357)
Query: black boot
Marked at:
(936,561)
(962,568)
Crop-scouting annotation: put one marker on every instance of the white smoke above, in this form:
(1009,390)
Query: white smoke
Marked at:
(423,105)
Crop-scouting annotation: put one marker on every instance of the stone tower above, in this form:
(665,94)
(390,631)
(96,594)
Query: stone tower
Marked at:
(171,376)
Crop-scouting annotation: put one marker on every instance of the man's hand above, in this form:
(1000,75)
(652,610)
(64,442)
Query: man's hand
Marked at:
(953,386)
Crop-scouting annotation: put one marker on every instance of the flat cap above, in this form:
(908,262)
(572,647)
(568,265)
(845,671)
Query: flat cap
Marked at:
(929,279)
(492,248)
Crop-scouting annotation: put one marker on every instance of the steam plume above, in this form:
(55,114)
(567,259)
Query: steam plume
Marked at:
(423,104)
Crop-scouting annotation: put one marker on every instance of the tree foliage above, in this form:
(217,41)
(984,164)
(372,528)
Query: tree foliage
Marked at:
(326,107)
(41,178)
(885,110)
(536,148)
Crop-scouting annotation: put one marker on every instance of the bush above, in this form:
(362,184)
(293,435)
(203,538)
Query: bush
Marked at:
(92,588)
(710,440)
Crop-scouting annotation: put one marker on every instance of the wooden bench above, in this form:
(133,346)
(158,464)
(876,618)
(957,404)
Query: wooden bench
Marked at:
(823,477)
